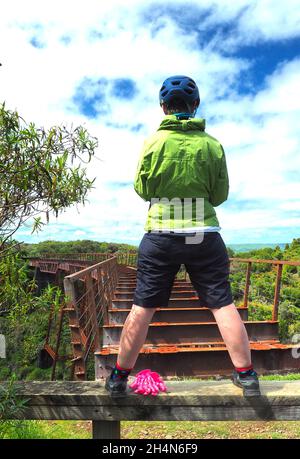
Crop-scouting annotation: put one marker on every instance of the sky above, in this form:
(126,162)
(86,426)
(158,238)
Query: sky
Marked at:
(101,64)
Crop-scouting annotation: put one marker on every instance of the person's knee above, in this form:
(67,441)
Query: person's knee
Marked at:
(143,311)
(222,309)
(136,306)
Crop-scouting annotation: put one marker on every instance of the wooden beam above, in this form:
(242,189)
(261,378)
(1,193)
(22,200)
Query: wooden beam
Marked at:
(106,429)
(194,400)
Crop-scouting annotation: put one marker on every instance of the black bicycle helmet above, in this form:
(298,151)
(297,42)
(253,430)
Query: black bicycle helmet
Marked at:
(181,87)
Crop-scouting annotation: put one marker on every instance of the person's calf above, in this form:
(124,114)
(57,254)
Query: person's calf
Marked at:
(234,334)
(133,335)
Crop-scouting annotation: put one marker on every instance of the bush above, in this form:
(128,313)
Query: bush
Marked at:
(259,311)
(11,404)
(38,374)
(289,320)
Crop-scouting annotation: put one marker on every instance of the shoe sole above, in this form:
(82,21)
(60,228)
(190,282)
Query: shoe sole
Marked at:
(116,394)
(252,393)
(247,392)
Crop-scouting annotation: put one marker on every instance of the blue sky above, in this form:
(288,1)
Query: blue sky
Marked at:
(102,65)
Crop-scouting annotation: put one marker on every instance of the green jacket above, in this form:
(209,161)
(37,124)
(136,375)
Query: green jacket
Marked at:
(182,161)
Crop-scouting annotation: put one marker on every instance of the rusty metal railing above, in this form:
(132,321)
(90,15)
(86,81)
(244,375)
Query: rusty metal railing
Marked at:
(89,294)
(53,338)
(278,264)
(128,258)
(90,256)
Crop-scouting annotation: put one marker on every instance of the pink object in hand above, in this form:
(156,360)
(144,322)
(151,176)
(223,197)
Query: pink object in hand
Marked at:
(148,382)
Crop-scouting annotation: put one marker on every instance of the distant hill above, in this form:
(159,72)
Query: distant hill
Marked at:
(254,246)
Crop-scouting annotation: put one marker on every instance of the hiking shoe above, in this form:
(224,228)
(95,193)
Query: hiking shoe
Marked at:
(249,383)
(117,387)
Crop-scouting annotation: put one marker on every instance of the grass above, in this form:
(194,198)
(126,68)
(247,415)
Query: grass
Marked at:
(274,377)
(210,429)
(45,429)
(157,430)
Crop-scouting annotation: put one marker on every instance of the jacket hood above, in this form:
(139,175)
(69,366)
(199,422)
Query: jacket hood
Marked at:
(170,122)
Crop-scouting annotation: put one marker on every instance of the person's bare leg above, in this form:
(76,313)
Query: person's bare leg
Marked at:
(234,334)
(133,335)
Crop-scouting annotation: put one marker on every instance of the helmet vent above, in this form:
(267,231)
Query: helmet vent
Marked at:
(181,87)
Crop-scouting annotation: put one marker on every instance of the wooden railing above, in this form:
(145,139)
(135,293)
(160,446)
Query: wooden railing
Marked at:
(185,400)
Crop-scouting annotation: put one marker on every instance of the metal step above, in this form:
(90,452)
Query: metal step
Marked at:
(192,302)
(133,283)
(197,332)
(175,288)
(118,316)
(175,294)
(162,347)
(170,361)
(126,278)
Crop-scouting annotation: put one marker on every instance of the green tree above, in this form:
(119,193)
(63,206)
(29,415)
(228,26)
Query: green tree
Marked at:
(292,252)
(38,175)
(38,171)
(23,315)
(230,252)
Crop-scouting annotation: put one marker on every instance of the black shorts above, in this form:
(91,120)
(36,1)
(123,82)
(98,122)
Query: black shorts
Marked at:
(160,257)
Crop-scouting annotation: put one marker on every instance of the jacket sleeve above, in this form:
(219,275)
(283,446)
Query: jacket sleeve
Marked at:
(141,175)
(220,188)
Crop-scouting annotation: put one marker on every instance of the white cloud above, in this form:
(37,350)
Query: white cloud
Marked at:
(79,233)
(270,19)
(282,92)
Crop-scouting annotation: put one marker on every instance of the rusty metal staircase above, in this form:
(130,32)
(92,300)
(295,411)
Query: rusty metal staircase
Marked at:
(183,339)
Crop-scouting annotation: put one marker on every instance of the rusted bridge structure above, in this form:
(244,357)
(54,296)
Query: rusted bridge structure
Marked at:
(183,339)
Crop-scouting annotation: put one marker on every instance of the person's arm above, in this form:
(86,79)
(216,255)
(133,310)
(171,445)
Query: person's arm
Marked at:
(140,180)
(220,187)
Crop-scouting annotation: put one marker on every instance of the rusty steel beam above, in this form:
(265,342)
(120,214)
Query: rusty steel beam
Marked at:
(57,344)
(273,262)
(207,362)
(79,363)
(197,332)
(93,311)
(118,316)
(276,295)
(175,294)
(246,291)
(191,302)
(175,288)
